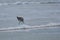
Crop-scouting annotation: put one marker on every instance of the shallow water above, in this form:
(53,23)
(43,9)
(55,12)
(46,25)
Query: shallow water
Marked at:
(45,34)
(42,20)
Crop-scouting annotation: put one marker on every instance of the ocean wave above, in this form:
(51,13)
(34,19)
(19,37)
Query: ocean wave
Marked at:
(18,3)
(28,28)
(23,3)
(50,2)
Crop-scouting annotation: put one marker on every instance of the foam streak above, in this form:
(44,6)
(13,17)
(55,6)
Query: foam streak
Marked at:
(26,27)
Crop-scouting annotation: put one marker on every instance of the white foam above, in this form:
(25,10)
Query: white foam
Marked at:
(27,27)
(18,2)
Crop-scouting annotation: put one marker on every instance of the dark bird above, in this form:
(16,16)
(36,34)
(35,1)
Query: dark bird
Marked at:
(20,19)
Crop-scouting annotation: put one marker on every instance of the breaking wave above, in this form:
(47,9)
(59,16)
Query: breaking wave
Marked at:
(28,28)
(23,3)
(18,3)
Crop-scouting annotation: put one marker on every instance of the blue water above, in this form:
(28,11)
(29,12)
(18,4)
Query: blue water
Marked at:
(42,19)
